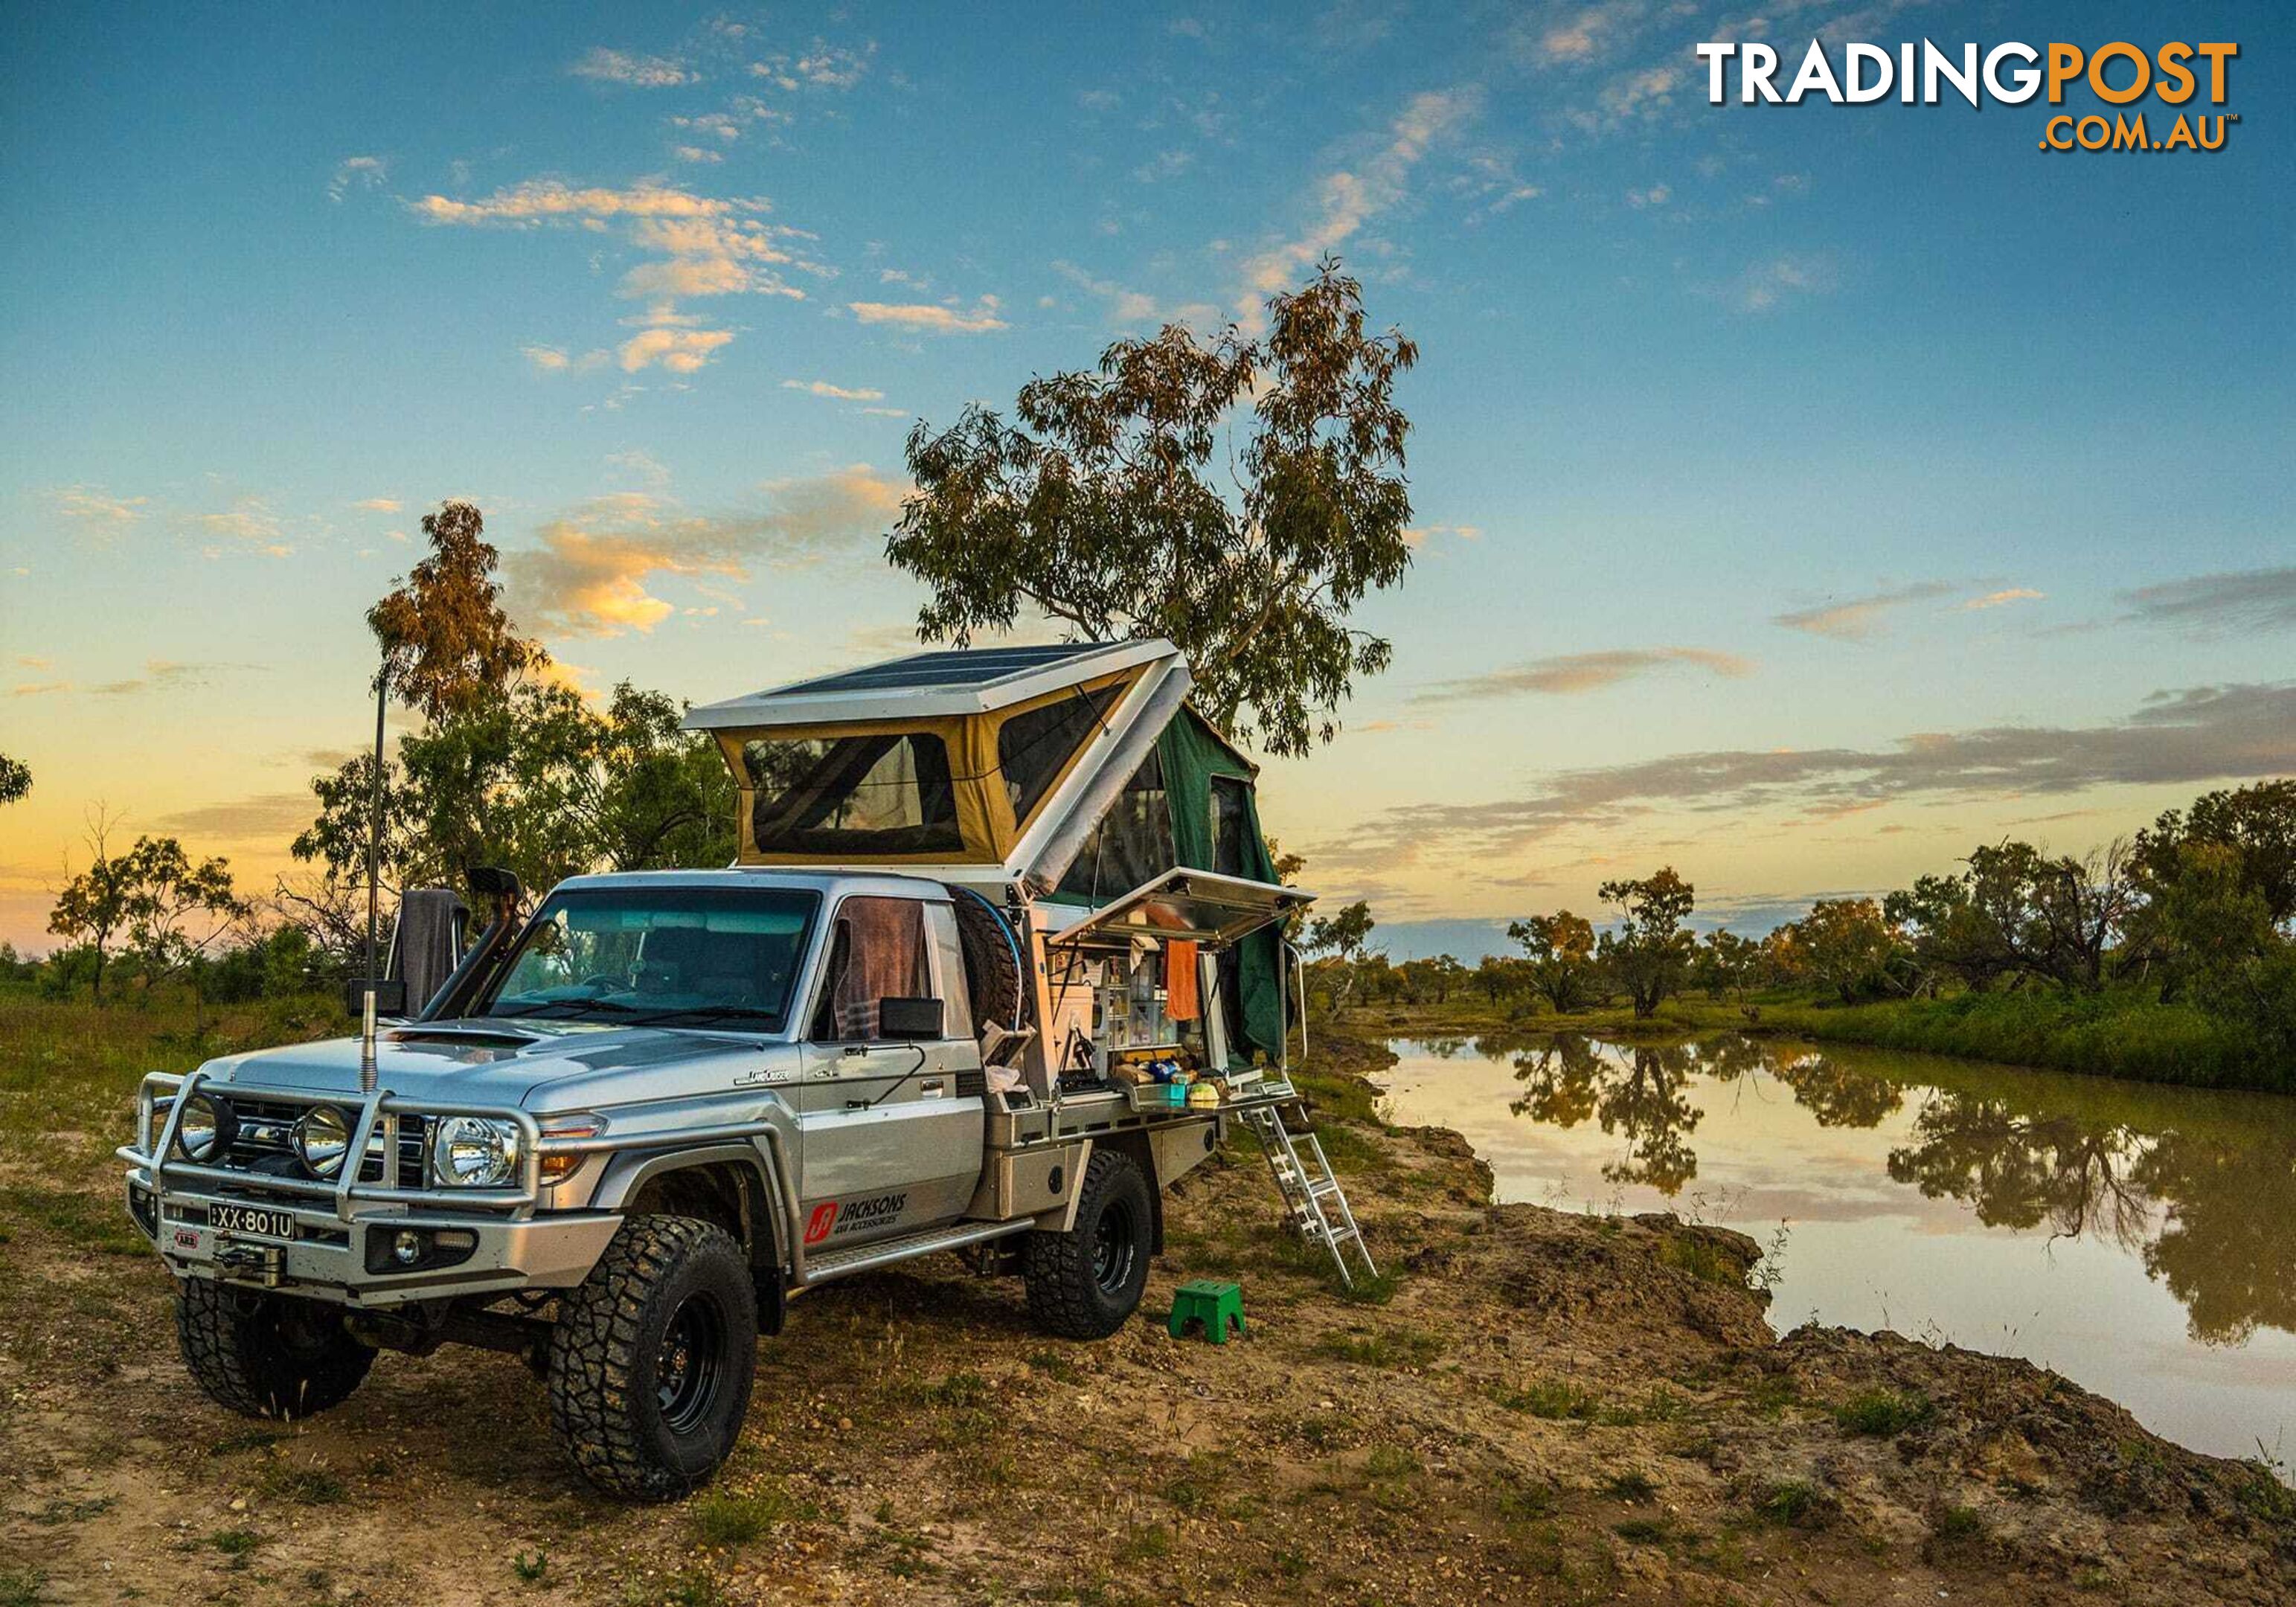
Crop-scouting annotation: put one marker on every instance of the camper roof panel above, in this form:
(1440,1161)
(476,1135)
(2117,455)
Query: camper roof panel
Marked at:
(927,684)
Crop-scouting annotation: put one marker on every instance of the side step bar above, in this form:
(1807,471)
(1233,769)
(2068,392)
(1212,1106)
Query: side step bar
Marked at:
(904,1247)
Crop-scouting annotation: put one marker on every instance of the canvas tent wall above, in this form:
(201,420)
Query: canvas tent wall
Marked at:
(1073,773)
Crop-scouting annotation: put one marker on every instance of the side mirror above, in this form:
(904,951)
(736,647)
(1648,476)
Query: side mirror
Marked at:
(909,1018)
(389,997)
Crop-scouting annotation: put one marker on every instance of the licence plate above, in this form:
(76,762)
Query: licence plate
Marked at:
(251,1220)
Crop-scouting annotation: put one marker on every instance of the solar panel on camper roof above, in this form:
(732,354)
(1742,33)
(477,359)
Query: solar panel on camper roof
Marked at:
(975,667)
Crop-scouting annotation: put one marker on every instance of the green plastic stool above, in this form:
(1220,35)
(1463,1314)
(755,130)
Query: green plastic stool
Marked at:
(1211,1304)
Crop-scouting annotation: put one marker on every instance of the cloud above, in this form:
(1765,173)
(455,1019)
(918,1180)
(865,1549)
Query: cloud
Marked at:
(695,154)
(1346,199)
(267,818)
(1765,284)
(1124,306)
(1164,165)
(822,67)
(1419,535)
(700,245)
(1568,674)
(589,575)
(2237,601)
(1657,195)
(366,172)
(2189,737)
(378,504)
(1860,617)
(94,506)
(843,393)
(678,350)
(554,360)
(2001,599)
(163,675)
(250,522)
(929,319)
(38,689)
(606,66)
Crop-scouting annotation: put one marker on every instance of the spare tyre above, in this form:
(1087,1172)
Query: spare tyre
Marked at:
(992,960)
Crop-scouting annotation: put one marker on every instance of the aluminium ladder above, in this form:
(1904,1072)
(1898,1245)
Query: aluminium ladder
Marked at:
(1318,1206)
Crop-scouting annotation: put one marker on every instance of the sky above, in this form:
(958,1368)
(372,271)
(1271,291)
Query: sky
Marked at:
(1801,494)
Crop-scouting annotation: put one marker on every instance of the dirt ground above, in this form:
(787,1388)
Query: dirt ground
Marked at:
(1538,1408)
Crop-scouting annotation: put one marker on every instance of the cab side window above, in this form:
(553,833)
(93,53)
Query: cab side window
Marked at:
(876,951)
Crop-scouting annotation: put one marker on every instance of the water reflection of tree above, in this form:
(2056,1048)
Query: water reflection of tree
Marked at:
(1641,1092)
(2204,1194)
(2016,1170)
(1837,1095)
(2228,1242)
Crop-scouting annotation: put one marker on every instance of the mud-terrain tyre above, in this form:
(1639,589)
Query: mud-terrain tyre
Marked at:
(1085,1283)
(653,1357)
(992,962)
(267,1354)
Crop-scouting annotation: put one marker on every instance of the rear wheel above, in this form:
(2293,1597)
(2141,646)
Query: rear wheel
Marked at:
(651,1358)
(1085,1283)
(267,1354)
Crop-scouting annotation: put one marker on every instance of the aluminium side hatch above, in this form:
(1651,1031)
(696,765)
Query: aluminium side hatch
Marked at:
(1198,906)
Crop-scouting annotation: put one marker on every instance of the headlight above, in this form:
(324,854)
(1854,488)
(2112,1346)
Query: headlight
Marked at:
(474,1151)
(322,1138)
(206,1128)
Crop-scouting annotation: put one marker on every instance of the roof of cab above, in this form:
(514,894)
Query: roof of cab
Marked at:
(836,883)
(928,684)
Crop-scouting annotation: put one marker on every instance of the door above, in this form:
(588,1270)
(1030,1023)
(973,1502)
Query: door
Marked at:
(892,1127)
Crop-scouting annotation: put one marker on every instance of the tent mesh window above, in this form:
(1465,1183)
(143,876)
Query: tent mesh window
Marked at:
(1132,844)
(887,794)
(1034,746)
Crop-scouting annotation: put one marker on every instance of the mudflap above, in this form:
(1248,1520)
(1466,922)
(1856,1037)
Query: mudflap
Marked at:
(772,1300)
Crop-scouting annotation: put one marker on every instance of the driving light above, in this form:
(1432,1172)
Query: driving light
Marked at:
(323,1136)
(206,1128)
(407,1248)
(474,1151)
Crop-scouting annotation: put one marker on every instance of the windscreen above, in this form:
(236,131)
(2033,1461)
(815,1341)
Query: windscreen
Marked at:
(695,957)
(857,795)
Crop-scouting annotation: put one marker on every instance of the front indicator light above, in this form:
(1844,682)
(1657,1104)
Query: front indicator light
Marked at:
(557,1168)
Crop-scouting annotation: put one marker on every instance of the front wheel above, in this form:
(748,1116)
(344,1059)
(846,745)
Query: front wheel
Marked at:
(1084,1283)
(267,1354)
(651,1358)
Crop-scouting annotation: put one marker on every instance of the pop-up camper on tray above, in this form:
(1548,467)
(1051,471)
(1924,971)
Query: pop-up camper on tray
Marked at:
(1103,835)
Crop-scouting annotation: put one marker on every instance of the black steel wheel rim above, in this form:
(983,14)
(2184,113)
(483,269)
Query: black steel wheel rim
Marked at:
(1115,1249)
(691,1362)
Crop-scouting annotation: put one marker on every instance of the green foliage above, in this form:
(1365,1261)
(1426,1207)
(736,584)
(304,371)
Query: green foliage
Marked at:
(728,1517)
(1560,952)
(1792,1504)
(1646,952)
(15,779)
(448,647)
(538,780)
(1107,507)
(1846,945)
(2121,1032)
(530,1567)
(150,896)
(1884,1414)
(1390,1349)
(1551,1398)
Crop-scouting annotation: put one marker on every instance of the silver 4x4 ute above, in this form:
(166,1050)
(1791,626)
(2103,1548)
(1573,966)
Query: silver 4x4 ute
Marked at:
(627,1130)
